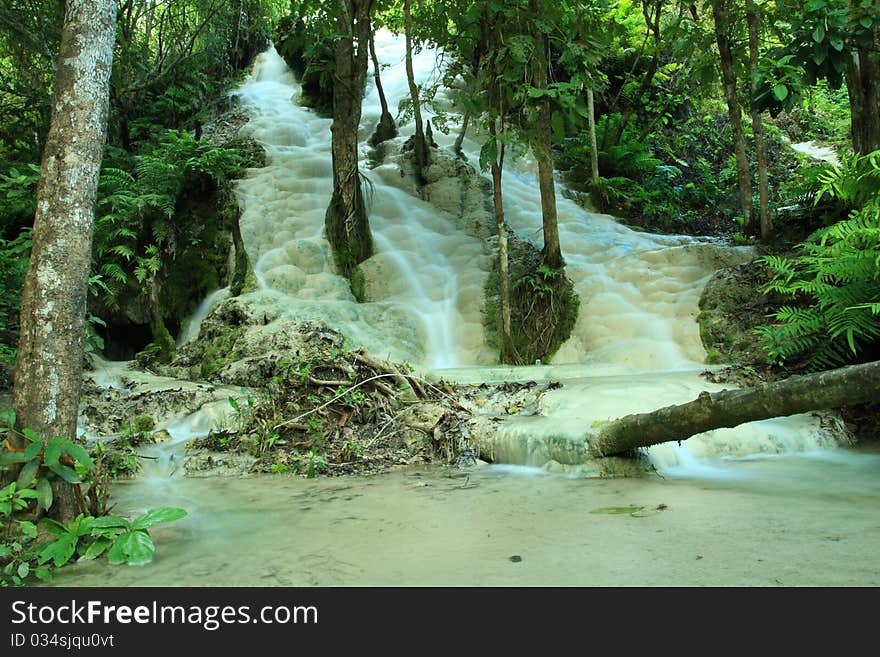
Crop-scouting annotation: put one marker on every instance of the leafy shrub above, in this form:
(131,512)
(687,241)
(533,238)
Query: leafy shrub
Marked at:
(835,281)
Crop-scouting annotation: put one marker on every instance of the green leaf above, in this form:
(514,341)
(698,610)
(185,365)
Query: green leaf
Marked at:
(33,450)
(819,33)
(156,516)
(23,570)
(13,457)
(97,548)
(116,555)
(27,474)
(53,527)
(59,551)
(489,154)
(780,91)
(136,548)
(836,43)
(618,510)
(44,490)
(27,528)
(77,453)
(111,522)
(66,473)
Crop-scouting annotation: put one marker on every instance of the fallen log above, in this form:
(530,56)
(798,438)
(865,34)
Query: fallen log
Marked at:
(855,384)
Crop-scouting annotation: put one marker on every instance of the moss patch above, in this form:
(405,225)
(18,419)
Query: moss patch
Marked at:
(544,306)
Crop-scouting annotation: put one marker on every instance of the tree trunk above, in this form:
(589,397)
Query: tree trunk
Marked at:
(420,146)
(723,28)
(551,255)
(754,18)
(348,229)
(386,129)
(503,265)
(48,365)
(856,384)
(862,74)
(456,148)
(591,124)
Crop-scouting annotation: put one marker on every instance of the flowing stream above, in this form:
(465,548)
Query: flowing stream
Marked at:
(772,502)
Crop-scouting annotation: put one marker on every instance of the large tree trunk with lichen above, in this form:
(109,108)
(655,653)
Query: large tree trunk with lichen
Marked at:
(551,255)
(724,39)
(348,229)
(48,366)
(856,384)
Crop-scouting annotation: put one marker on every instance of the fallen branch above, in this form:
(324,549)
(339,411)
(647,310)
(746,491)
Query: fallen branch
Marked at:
(856,384)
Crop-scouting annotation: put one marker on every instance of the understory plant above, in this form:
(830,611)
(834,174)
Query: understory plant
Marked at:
(31,543)
(834,283)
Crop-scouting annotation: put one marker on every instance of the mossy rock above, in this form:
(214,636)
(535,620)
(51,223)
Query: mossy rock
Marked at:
(544,306)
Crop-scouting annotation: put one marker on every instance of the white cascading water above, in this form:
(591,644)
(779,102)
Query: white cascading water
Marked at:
(636,344)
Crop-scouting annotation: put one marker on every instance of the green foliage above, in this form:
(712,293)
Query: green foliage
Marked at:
(135,227)
(42,462)
(835,281)
(13,267)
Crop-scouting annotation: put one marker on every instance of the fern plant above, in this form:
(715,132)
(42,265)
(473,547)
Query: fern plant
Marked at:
(135,225)
(835,281)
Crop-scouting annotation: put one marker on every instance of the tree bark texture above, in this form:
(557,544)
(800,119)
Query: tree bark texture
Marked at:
(855,384)
(551,255)
(591,124)
(766,221)
(48,366)
(346,223)
(386,129)
(723,30)
(420,145)
(862,74)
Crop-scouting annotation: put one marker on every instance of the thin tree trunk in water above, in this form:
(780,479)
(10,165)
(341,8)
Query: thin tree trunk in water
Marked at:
(420,146)
(551,255)
(591,124)
(862,75)
(758,125)
(48,365)
(856,384)
(386,129)
(348,229)
(723,27)
(456,148)
(503,265)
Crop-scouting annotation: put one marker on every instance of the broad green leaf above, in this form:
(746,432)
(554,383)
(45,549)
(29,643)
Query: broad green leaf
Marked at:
(780,91)
(53,527)
(66,473)
(97,548)
(488,154)
(27,528)
(59,551)
(32,436)
(117,555)
(111,522)
(33,450)
(27,474)
(23,570)
(138,548)
(819,33)
(52,453)
(156,516)
(77,452)
(44,491)
(13,457)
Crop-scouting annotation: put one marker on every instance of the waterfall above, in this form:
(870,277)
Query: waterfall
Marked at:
(636,343)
